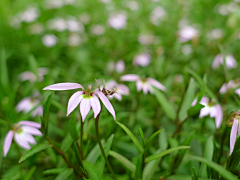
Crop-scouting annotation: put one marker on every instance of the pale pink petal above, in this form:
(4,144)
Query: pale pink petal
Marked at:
(139,85)
(145,88)
(204,112)
(120,66)
(150,89)
(130,77)
(27,75)
(106,103)
(212,111)
(238,129)
(204,101)
(25,105)
(117,96)
(31,130)
(28,137)
(63,86)
(194,102)
(38,111)
(85,107)
(74,101)
(111,84)
(217,61)
(7,142)
(156,84)
(21,141)
(30,123)
(237,91)
(233,135)
(218,116)
(230,61)
(96,106)
(122,89)
(223,89)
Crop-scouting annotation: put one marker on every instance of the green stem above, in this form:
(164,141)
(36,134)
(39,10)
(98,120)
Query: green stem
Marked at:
(81,140)
(101,147)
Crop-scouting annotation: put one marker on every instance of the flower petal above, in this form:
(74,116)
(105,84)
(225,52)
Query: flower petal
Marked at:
(74,100)
(96,106)
(145,88)
(28,137)
(21,141)
(63,86)
(31,130)
(139,85)
(218,116)
(204,111)
(106,103)
(130,77)
(204,100)
(30,123)
(38,111)
(237,91)
(233,135)
(156,84)
(7,142)
(85,107)
(223,89)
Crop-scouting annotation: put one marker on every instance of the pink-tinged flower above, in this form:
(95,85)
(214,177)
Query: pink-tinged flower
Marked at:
(237,91)
(120,90)
(233,135)
(29,103)
(187,33)
(230,85)
(229,59)
(144,84)
(22,133)
(86,99)
(210,109)
(157,15)
(30,76)
(119,66)
(118,21)
(142,59)
(49,40)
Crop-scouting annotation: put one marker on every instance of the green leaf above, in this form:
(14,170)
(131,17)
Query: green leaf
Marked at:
(92,171)
(33,65)
(64,174)
(46,113)
(142,135)
(54,171)
(195,109)
(131,135)
(30,173)
(66,143)
(167,107)
(194,174)
(221,170)
(4,70)
(100,163)
(73,130)
(153,136)
(234,159)
(163,140)
(188,99)
(78,158)
(94,153)
(128,164)
(184,177)
(208,154)
(139,170)
(34,150)
(163,153)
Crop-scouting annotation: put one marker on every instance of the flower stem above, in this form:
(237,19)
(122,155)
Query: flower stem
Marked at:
(81,140)
(101,147)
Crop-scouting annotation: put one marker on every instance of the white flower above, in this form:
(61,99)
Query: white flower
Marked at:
(74,26)
(187,33)
(58,24)
(142,59)
(229,59)
(29,15)
(120,90)
(49,40)
(230,85)
(22,133)
(158,15)
(118,21)
(143,84)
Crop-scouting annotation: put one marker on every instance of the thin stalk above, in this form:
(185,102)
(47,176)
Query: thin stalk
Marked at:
(101,147)
(81,140)
(64,157)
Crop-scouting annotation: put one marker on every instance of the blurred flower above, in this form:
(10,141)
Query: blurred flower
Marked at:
(210,109)
(233,134)
(117,21)
(226,9)
(133,5)
(230,85)
(86,99)
(187,33)
(74,26)
(146,39)
(215,34)
(230,61)
(55,4)
(36,28)
(58,24)
(29,103)
(142,59)
(85,18)
(30,76)
(187,49)
(120,90)
(119,66)
(97,29)
(22,133)
(49,40)
(28,15)
(74,39)
(144,84)
(105,1)
(157,15)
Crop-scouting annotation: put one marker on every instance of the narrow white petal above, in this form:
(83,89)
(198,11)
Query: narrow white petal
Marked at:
(130,77)
(96,106)
(233,135)
(31,130)
(237,91)
(38,111)
(28,137)
(74,100)
(106,103)
(145,88)
(204,112)
(218,116)
(204,100)
(7,142)
(63,86)
(30,123)
(156,84)
(139,85)
(21,142)
(85,107)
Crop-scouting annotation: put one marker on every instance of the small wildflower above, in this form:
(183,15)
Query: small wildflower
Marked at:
(120,90)
(30,76)
(142,59)
(86,99)
(144,84)
(210,109)
(22,133)
(187,33)
(118,21)
(230,85)
(49,40)
(229,59)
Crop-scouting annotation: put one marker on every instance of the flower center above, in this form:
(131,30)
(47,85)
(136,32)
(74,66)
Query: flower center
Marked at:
(17,128)
(88,93)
